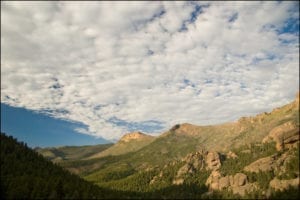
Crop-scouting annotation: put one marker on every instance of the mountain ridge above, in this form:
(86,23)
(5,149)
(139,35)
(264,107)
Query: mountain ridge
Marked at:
(229,160)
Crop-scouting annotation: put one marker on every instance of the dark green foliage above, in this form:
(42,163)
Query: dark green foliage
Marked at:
(291,193)
(223,195)
(262,178)
(292,166)
(26,174)
(177,126)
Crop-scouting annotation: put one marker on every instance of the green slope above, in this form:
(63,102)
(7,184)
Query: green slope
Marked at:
(125,146)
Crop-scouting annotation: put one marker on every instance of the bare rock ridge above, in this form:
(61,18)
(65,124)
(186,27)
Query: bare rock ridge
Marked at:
(134,136)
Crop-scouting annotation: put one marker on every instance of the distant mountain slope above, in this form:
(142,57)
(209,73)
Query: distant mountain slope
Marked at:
(245,131)
(183,139)
(57,154)
(128,143)
(256,157)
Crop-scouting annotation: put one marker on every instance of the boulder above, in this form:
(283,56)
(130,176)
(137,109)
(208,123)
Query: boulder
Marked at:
(237,183)
(196,160)
(178,181)
(284,184)
(231,154)
(224,182)
(263,164)
(284,135)
(240,179)
(184,169)
(241,190)
(213,161)
(213,180)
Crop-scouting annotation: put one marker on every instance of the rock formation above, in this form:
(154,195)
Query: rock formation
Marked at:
(133,136)
(284,184)
(238,183)
(284,135)
(263,164)
(213,161)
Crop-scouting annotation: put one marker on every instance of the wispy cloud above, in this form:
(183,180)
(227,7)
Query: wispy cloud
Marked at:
(120,66)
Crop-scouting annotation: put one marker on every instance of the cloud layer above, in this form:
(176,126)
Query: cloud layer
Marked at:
(123,66)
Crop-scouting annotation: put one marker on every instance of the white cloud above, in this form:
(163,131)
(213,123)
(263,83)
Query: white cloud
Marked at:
(140,62)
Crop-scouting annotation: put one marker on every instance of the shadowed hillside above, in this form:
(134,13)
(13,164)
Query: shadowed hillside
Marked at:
(58,154)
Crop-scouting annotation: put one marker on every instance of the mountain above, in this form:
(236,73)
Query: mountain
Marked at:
(58,154)
(130,142)
(252,157)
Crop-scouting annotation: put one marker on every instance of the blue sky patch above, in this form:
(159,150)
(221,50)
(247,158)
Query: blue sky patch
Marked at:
(37,129)
(149,126)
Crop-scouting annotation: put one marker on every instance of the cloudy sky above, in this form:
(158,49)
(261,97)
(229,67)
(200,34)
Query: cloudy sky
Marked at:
(117,67)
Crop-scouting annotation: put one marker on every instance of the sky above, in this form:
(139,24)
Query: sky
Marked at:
(99,70)
(39,130)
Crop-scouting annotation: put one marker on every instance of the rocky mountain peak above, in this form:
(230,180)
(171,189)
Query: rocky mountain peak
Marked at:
(186,129)
(134,136)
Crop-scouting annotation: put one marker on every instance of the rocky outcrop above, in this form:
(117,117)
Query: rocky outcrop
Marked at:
(196,160)
(239,179)
(284,184)
(241,190)
(231,154)
(186,129)
(156,178)
(237,183)
(213,180)
(276,163)
(263,164)
(134,136)
(178,181)
(213,161)
(284,135)
(193,162)
(187,168)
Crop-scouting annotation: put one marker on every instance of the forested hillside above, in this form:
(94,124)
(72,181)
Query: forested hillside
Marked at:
(26,174)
